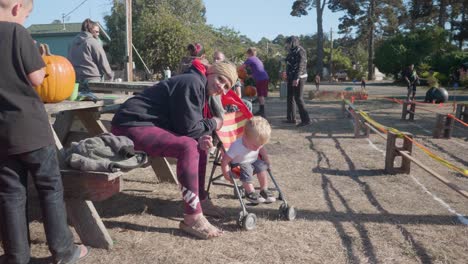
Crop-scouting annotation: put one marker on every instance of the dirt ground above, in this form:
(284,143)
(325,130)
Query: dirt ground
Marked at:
(349,209)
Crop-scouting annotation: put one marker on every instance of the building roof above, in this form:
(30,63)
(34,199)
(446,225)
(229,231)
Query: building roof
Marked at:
(59,28)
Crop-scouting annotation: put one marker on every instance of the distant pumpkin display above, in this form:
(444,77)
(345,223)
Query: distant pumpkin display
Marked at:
(59,80)
(247,81)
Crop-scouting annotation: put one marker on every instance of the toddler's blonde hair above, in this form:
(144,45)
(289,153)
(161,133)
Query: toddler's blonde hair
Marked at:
(259,129)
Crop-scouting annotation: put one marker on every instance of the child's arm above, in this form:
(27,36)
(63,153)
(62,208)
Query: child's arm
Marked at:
(264,155)
(36,77)
(225,167)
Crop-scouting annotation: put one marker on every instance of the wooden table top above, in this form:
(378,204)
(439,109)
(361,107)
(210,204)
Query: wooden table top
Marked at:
(105,100)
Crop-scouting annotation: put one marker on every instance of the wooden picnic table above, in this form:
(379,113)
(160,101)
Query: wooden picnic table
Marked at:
(109,86)
(82,188)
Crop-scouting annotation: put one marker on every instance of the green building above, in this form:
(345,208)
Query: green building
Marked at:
(59,36)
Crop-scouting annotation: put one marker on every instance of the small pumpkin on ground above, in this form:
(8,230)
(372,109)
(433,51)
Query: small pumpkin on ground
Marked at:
(59,80)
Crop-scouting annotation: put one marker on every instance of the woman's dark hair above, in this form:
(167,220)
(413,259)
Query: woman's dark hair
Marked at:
(88,25)
(195,49)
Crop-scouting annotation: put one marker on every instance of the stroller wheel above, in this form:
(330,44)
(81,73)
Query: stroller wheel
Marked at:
(287,212)
(248,222)
(241,191)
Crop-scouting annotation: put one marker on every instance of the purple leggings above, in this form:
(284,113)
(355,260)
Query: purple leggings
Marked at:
(191,160)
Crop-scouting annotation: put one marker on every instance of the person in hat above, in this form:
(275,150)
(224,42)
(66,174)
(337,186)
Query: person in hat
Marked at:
(172,119)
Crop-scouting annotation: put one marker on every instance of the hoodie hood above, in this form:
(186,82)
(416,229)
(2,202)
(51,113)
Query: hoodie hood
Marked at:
(294,41)
(82,37)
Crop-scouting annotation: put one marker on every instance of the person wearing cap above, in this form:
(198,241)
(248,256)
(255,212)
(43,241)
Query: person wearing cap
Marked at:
(172,119)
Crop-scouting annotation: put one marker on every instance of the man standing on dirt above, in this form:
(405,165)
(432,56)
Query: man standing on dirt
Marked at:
(412,79)
(296,72)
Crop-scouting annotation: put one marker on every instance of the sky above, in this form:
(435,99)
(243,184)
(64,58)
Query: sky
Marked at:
(253,18)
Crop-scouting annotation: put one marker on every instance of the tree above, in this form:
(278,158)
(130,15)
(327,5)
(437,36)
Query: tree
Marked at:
(300,8)
(416,47)
(369,19)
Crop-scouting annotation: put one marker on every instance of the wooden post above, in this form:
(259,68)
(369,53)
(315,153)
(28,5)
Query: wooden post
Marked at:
(462,112)
(393,151)
(411,111)
(443,126)
(360,129)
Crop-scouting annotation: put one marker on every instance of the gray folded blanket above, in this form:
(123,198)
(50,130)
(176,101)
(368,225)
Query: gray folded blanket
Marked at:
(106,152)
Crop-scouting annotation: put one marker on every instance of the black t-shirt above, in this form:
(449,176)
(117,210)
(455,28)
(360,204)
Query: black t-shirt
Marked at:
(24,124)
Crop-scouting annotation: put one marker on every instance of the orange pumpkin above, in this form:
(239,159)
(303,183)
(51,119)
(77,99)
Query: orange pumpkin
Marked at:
(242,72)
(60,77)
(250,91)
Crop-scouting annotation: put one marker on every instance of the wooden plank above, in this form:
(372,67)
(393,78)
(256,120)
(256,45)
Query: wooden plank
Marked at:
(131,87)
(71,105)
(93,186)
(435,174)
(88,224)
(163,170)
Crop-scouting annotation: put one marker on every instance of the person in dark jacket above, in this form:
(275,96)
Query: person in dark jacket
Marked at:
(88,57)
(172,119)
(296,74)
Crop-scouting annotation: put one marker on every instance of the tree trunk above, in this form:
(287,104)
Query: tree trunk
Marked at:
(442,13)
(319,66)
(371,21)
(462,26)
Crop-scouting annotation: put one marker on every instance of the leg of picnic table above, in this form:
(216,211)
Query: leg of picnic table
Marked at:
(88,224)
(163,170)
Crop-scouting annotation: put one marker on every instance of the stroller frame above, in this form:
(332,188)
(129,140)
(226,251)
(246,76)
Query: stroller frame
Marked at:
(245,220)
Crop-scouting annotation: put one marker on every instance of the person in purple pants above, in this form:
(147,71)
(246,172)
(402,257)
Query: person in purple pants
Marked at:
(172,119)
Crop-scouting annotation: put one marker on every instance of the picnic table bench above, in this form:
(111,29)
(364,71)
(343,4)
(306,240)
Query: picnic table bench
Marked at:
(82,188)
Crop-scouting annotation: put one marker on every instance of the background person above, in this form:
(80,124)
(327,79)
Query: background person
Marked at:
(296,72)
(27,146)
(194,51)
(260,76)
(88,57)
(218,56)
(411,77)
(317,82)
(171,119)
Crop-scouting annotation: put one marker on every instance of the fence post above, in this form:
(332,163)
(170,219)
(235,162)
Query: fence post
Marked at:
(406,111)
(360,129)
(462,112)
(443,126)
(393,151)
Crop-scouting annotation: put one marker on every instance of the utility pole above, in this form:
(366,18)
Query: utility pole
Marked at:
(128,43)
(331,54)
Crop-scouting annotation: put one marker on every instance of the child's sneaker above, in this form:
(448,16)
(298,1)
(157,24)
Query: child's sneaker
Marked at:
(268,196)
(254,198)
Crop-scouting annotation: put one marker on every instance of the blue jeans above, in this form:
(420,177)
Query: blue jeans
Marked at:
(43,166)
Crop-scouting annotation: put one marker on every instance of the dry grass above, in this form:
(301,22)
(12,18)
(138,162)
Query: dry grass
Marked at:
(349,209)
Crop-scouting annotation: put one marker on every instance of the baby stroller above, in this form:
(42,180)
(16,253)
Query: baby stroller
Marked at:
(233,128)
